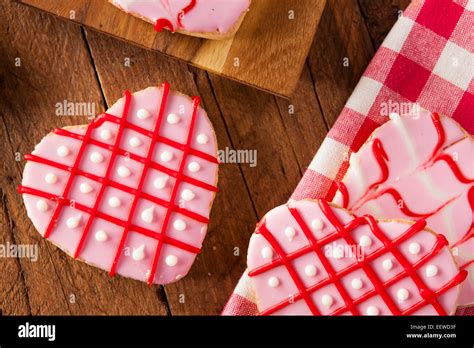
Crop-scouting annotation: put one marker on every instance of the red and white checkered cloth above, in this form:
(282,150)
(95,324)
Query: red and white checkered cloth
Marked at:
(428,59)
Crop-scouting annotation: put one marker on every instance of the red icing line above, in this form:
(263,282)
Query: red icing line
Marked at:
(405,210)
(427,295)
(467,264)
(74,170)
(162,23)
(381,157)
(454,168)
(174,191)
(441,135)
(345,194)
(184,11)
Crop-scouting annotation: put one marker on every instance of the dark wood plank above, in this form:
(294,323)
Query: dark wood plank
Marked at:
(55,66)
(214,274)
(253,121)
(341,37)
(13,292)
(303,119)
(380,16)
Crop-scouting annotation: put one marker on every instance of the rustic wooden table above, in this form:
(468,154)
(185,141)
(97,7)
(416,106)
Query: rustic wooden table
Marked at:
(44,60)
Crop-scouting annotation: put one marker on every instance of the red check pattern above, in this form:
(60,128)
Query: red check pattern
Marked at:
(427,60)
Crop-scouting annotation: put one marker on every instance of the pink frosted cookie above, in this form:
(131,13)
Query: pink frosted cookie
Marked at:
(310,257)
(416,167)
(130,193)
(211,19)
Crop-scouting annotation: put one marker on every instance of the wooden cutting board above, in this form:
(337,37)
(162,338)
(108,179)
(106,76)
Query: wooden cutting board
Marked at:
(268,51)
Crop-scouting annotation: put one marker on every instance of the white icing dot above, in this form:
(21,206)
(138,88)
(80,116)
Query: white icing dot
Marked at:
(310,270)
(187,195)
(290,233)
(356,283)
(414,248)
(143,113)
(123,171)
(63,151)
(42,205)
(135,142)
(394,116)
(114,202)
(160,182)
(273,282)
(194,167)
(337,253)
(166,156)
(97,157)
(402,294)
(365,241)
(431,271)
(202,139)
(267,253)
(85,187)
(317,224)
(171,260)
(173,118)
(50,178)
(73,221)
(372,310)
(148,215)
(139,253)
(106,134)
(179,225)
(101,236)
(387,265)
(327,300)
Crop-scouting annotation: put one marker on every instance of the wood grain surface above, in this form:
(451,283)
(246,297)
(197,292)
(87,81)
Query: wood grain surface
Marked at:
(62,61)
(268,51)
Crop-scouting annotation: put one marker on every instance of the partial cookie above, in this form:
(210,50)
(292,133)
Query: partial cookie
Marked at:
(210,19)
(132,191)
(314,258)
(418,167)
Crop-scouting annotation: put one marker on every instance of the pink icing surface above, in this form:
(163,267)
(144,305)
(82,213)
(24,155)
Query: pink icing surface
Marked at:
(102,253)
(279,219)
(426,185)
(207,16)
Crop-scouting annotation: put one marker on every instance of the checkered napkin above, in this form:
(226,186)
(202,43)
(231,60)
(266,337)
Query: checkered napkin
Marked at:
(428,59)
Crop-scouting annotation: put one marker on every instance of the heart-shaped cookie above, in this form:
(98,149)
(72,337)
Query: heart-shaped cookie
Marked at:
(311,257)
(211,19)
(132,191)
(418,166)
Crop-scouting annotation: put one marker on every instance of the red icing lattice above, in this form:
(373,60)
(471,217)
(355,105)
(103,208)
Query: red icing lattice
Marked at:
(428,297)
(105,181)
